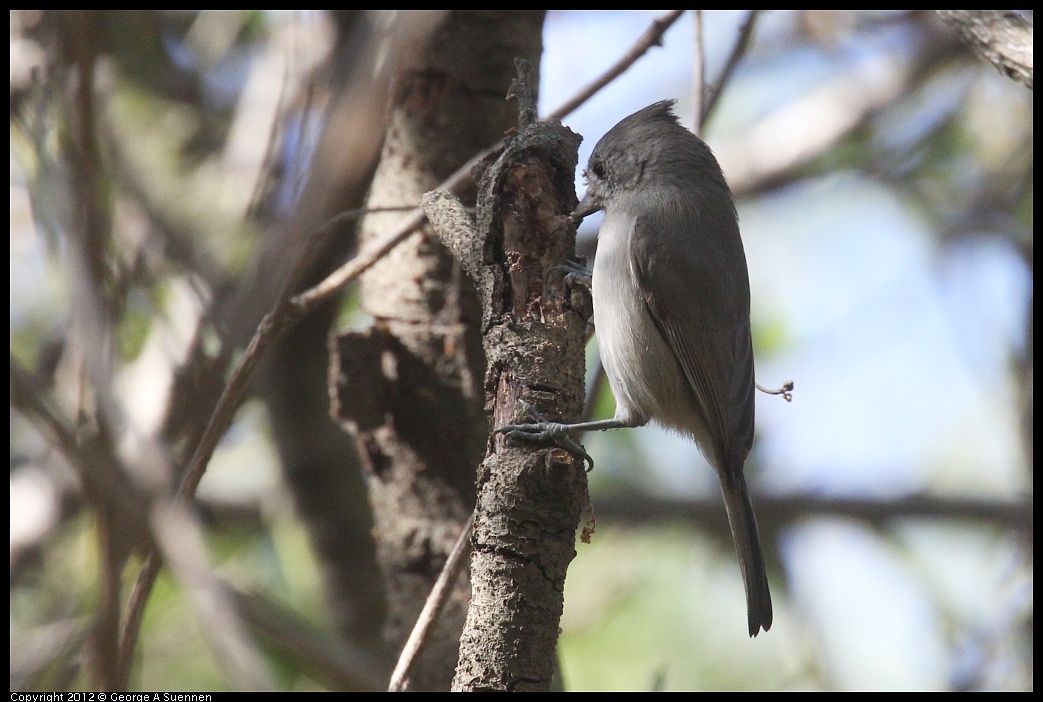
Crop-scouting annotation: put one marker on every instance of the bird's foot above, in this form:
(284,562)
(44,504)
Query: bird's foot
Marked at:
(542,431)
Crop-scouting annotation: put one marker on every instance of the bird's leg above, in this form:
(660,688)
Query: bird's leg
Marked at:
(542,431)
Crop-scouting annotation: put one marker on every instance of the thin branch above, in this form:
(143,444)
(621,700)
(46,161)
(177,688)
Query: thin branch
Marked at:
(786,390)
(818,120)
(282,316)
(87,455)
(776,511)
(738,50)
(139,595)
(274,322)
(99,470)
(432,608)
(336,662)
(698,72)
(352,269)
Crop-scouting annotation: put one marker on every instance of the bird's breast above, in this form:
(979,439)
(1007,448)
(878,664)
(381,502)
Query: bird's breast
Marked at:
(643,373)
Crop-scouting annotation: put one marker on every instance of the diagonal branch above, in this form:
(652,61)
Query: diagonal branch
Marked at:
(713,94)
(1001,37)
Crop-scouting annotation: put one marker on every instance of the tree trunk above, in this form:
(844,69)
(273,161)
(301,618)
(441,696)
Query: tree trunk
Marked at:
(409,387)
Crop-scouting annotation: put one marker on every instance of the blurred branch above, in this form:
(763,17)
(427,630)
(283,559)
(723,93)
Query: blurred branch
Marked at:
(777,511)
(175,530)
(274,323)
(713,94)
(774,150)
(97,307)
(180,537)
(336,662)
(46,655)
(1001,37)
(698,72)
(40,409)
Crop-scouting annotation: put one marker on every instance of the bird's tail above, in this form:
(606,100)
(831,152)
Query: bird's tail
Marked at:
(743,524)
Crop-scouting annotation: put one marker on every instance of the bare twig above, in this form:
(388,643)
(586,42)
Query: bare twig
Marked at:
(339,279)
(93,462)
(94,285)
(786,390)
(139,595)
(741,44)
(432,608)
(698,72)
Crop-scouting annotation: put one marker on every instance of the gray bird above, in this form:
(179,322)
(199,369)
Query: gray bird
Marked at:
(672,310)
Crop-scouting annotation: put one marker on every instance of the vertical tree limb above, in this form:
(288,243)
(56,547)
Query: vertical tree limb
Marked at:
(529,499)
(409,387)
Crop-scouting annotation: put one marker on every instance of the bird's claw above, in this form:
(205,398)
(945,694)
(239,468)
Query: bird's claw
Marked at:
(577,273)
(544,432)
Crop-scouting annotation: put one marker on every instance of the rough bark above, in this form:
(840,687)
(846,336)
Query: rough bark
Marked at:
(1001,37)
(530,499)
(409,387)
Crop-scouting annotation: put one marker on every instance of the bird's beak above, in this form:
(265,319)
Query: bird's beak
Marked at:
(588,206)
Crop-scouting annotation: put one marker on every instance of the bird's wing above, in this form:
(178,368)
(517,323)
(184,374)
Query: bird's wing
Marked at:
(696,289)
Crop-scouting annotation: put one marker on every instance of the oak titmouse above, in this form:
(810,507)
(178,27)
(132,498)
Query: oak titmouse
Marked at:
(672,309)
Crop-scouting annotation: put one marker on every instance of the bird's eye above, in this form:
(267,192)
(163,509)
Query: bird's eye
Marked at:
(598,169)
